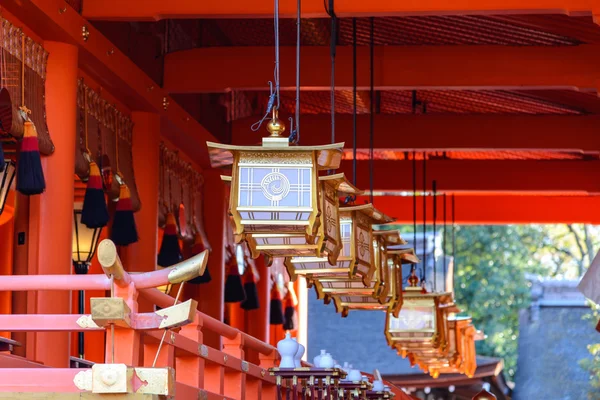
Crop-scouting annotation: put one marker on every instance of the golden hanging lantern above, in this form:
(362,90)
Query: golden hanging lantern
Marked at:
(461,354)
(422,322)
(356,258)
(327,240)
(274,187)
(384,291)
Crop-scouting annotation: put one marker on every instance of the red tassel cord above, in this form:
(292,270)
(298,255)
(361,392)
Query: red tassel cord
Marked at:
(170,251)
(95,212)
(234,290)
(197,248)
(276,312)
(30,175)
(124,231)
(252,302)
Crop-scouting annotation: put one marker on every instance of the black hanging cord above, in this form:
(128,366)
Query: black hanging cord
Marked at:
(333,45)
(354,96)
(453,232)
(372,111)
(444,240)
(295,130)
(434,190)
(424,215)
(414,182)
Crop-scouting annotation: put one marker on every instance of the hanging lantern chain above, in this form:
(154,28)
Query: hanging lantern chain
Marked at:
(372,110)
(434,190)
(424,217)
(444,240)
(295,130)
(414,182)
(354,102)
(273,93)
(333,47)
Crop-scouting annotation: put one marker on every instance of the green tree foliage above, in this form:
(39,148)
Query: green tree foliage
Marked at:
(490,283)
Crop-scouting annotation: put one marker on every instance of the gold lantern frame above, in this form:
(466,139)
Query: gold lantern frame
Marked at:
(461,357)
(356,258)
(430,308)
(326,242)
(262,179)
(385,292)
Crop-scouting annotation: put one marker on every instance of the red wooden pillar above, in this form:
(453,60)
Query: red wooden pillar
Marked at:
(210,296)
(51,213)
(6,258)
(141,256)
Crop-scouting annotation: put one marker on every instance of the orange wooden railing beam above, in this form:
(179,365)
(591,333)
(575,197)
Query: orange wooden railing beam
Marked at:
(492,176)
(445,132)
(214,69)
(496,209)
(113,70)
(147,10)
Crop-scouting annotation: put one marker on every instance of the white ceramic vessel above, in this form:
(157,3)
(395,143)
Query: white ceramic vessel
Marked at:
(299,354)
(326,361)
(287,349)
(317,359)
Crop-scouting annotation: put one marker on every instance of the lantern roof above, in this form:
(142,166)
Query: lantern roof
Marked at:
(369,210)
(342,184)
(392,237)
(329,156)
(407,256)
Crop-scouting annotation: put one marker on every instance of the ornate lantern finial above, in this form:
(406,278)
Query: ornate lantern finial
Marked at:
(275,127)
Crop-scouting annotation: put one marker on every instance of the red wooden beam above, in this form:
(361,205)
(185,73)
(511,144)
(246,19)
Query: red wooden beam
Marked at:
(217,69)
(468,176)
(446,132)
(148,10)
(112,69)
(496,209)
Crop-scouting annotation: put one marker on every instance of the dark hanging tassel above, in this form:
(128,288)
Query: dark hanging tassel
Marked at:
(289,312)
(94,213)
(276,314)
(170,252)
(30,175)
(598,326)
(123,231)
(234,290)
(252,302)
(198,248)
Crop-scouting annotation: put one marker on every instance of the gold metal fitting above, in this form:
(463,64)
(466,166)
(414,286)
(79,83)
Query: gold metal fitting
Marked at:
(110,52)
(275,126)
(165,103)
(85,33)
(62,10)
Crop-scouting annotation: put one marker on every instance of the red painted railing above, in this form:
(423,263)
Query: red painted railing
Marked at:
(201,371)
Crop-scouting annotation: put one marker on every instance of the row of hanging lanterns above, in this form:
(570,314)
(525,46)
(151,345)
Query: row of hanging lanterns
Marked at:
(282,204)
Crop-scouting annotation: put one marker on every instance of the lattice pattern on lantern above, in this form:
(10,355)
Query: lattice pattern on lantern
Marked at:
(422,322)
(274,187)
(326,241)
(356,257)
(461,356)
(384,291)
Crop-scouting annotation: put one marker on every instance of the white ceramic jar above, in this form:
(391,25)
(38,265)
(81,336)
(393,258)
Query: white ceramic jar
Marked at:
(287,349)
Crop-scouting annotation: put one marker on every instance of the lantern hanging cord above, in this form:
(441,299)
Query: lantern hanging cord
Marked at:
(354,101)
(333,47)
(434,190)
(444,240)
(273,92)
(372,111)
(414,182)
(295,131)
(424,216)
(453,234)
